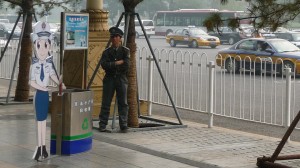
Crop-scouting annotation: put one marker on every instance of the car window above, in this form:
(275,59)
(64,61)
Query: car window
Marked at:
(247,45)
(262,46)
(284,46)
(185,32)
(148,23)
(179,31)
(226,30)
(296,36)
(197,32)
(284,36)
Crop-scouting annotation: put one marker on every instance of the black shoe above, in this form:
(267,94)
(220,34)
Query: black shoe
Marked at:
(45,153)
(101,129)
(124,129)
(37,154)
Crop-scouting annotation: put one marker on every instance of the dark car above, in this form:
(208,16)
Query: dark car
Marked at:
(228,35)
(293,37)
(258,53)
(6,29)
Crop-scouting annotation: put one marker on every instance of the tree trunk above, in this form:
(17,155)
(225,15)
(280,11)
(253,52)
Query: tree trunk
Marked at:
(22,89)
(129,6)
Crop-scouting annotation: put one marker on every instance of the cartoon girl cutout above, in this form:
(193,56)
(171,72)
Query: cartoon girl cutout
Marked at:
(42,69)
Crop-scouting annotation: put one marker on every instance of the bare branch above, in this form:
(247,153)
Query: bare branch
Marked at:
(15,2)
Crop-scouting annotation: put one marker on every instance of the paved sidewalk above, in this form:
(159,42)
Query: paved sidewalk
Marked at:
(193,146)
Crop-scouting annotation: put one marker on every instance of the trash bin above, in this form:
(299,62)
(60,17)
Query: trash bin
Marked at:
(71,117)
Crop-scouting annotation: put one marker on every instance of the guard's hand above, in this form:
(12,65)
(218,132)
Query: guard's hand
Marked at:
(119,62)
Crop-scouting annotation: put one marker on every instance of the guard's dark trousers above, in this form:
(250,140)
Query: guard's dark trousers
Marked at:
(118,83)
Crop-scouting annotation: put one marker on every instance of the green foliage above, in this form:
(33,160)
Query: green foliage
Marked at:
(263,13)
(44,6)
(213,21)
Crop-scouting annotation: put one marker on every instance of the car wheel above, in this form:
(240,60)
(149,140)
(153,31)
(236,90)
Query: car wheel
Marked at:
(213,46)
(231,65)
(287,64)
(172,43)
(194,44)
(231,41)
(137,35)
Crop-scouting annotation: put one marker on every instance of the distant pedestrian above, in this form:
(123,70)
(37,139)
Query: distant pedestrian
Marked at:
(115,62)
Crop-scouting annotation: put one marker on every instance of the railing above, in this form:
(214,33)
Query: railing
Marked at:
(6,65)
(248,95)
(244,95)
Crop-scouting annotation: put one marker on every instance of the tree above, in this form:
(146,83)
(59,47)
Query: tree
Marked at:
(266,13)
(129,6)
(27,8)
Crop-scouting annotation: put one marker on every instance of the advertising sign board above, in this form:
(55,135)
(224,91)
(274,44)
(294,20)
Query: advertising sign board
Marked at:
(75,31)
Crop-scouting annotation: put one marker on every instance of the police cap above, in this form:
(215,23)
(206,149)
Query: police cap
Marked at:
(115,31)
(41,30)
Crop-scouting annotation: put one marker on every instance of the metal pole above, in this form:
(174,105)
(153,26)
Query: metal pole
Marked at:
(127,19)
(288,98)
(211,67)
(159,70)
(10,36)
(263,161)
(113,125)
(17,54)
(150,88)
(59,115)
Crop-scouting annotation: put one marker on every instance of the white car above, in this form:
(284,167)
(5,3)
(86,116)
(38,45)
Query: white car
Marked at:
(148,26)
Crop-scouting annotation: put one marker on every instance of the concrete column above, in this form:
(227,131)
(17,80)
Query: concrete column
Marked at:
(94,4)
(98,16)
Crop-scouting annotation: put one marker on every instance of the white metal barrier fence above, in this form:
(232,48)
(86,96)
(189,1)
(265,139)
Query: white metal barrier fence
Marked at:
(245,95)
(6,65)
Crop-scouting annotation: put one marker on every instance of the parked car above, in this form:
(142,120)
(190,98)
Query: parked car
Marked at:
(228,35)
(293,37)
(193,37)
(258,52)
(6,29)
(148,26)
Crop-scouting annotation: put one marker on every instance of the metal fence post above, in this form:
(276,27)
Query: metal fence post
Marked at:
(150,82)
(288,98)
(211,67)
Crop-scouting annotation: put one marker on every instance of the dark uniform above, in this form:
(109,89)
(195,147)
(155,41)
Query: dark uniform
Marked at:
(115,79)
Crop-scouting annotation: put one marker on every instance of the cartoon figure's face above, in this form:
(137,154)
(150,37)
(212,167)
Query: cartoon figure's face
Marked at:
(42,47)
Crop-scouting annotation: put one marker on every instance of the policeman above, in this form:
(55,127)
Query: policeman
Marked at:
(115,62)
